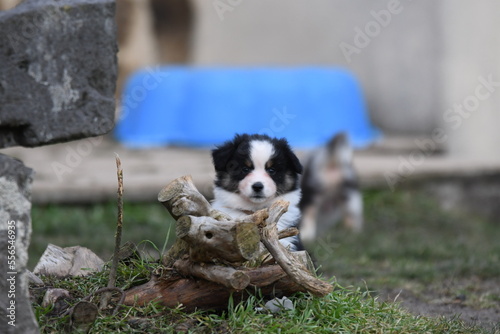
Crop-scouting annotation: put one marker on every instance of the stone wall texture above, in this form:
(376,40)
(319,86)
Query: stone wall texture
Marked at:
(15,231)
(58,71)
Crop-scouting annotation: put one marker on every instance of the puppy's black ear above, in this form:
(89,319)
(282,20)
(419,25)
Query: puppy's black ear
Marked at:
(292,158)
(221,155)
(297,166)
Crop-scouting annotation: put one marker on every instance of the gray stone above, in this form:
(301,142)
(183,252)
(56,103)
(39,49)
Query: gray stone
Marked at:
(276,305)
(68,261)
(15,231)
(58,71)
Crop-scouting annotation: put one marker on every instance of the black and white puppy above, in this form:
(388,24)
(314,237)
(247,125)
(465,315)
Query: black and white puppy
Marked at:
(254,171)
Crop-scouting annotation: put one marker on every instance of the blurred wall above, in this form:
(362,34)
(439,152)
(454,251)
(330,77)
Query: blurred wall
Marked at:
(471,78)
(427,67)
(8,4)
(152,32)
(394,47)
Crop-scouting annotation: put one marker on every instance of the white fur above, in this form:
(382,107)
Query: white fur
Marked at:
(237,205)
(308,226)
(260,152)
(354,211)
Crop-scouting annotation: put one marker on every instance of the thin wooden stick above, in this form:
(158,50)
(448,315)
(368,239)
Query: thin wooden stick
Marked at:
(288,232)
(118,235)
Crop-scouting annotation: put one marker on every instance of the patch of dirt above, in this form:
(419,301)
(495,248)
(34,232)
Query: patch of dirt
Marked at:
(474,301)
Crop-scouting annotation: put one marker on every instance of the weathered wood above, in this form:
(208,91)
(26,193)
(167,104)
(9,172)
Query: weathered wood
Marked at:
(211,233)
(171,292)
(118,235)
(304,258)
(181,198)
(264,276)
(82,317)
(177,251)
(258,217)
(295,270)
(127,252)
(194,293)
(288,232)
(206,236)
(210,239)
(227,276)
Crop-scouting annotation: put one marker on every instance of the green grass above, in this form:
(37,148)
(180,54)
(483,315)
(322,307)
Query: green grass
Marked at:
(94,227)
(408,241)
(345,310)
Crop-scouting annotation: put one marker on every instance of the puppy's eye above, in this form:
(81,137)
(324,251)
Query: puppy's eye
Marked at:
(245,169)
(271,171)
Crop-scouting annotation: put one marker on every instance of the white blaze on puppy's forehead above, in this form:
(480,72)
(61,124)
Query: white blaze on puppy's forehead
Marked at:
(260,152)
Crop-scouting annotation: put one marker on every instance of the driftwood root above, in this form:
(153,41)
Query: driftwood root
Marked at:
(205,263)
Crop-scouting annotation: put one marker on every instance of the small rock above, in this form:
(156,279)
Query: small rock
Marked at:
(52,295)
(34,279)
(277,304)
(58,299)
(69,261)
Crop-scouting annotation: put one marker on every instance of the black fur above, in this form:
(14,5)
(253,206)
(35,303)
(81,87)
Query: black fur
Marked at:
(232,164)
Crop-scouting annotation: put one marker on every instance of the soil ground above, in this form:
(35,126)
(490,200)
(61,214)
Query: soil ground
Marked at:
(434,302)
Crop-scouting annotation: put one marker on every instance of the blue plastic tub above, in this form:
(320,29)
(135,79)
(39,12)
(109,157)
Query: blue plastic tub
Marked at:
(206,106)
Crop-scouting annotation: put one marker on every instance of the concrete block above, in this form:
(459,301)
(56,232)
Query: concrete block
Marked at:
(58,72)
(15,231)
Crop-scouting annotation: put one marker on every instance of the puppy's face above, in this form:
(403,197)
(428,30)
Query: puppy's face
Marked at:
(257,168)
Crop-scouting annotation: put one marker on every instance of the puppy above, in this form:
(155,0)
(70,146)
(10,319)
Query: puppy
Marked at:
(254,171)
(330,190)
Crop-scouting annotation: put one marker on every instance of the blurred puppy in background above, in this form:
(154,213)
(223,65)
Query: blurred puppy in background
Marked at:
(330,190)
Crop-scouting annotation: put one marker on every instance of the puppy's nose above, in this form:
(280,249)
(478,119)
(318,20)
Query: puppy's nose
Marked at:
(257,187)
